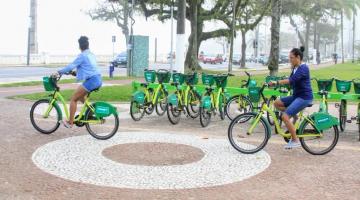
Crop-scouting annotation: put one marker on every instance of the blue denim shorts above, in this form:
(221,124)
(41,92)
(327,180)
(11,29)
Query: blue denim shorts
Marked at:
(294,104)
(92,83)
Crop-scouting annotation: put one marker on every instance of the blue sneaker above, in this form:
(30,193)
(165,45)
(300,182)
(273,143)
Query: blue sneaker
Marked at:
(292,145)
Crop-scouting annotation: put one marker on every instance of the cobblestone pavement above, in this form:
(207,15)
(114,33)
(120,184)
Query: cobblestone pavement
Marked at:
(291,174)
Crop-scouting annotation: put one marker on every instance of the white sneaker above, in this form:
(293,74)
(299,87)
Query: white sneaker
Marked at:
(66,124)
(291,145)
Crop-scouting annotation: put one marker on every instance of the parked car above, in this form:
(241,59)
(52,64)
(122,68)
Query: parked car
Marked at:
(264,60)
(283,59)
(212,59)
(121,59)
(236,59)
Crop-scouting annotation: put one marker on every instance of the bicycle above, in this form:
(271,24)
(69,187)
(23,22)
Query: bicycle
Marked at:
(255,130)
(46,114)
(144,101)
(185,100)
(356,83)
(239,104)
(214,98)
(343,87)
(324,87)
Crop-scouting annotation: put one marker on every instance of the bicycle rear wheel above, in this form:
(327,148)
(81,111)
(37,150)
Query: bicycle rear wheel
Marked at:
(45,124)
(101,128)
(318,145)
(237,105)
(242,140)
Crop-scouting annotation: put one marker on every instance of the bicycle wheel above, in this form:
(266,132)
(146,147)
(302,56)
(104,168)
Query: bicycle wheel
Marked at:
(222,106)
(137,111)
(241,140)
(173,114)
(318,145)
(193,105)
(270,104)
(238,105)
(205,117)
(45,125)
(161,102)
(101,128)
(342,115)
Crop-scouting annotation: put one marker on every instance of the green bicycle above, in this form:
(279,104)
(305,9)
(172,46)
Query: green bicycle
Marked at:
(214,100)
(344,87)
(239,104)
(356,83)
(145,101)
(185,100)
(100,118)
(249,132)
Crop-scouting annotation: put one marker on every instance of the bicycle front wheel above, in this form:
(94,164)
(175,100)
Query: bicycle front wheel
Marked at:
(161,102)
(205,117)
(101,128)
(42,121)
(137,111)
(243,139)
(318,145)
(342,115)
(173,114)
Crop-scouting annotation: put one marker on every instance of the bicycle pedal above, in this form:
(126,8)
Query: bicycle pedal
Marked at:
(337,105)
(349,121)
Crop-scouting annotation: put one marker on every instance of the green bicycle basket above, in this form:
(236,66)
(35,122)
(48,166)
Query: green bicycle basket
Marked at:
(254,94)
(221,81)
(163,76)
(357,87)
(49,83)
(191,79)
(178,78)
(325,84)
(343,86)
(207,79)
(149,76)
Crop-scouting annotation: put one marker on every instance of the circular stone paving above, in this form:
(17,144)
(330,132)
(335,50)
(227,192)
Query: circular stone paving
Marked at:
(202,163)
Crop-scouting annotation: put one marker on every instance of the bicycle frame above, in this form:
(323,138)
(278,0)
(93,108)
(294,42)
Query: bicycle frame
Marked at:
(281,132)
(57,96)
(215,98)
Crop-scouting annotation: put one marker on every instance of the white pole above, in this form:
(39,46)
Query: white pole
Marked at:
(172,37)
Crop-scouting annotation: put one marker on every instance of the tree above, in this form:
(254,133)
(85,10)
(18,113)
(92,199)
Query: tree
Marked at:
(117,11)
(275,37)
(249,15)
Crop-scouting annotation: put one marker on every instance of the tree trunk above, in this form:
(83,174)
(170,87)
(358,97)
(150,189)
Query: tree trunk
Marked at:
(275,37)
(243,49)
(301,38)
(191,59)
(342,36)
(307,38)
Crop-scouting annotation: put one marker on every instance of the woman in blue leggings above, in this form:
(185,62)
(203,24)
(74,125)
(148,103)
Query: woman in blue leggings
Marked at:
(302,93)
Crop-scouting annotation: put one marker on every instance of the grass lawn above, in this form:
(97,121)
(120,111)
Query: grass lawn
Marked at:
(123,93)
(72,80)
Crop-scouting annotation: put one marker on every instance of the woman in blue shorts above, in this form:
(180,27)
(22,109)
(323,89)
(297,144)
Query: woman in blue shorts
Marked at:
(86,71)
(302,93)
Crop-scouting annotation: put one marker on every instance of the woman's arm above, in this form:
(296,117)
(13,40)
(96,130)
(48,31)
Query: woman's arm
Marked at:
(77,62)
(283,82)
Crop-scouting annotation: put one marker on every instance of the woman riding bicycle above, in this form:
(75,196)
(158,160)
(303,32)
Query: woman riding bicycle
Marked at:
(302,93)
(86,71)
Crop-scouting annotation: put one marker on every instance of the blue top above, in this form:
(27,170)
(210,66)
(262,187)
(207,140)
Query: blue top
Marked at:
(85,65)
(300,82)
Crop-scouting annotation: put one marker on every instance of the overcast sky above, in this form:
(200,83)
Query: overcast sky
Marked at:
(61,22)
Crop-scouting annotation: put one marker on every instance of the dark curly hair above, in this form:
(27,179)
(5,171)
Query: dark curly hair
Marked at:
(298,52)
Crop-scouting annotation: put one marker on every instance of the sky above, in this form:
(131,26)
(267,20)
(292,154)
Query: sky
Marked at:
(62,22)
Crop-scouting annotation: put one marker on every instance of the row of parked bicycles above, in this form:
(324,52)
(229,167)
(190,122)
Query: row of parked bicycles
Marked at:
(249,107)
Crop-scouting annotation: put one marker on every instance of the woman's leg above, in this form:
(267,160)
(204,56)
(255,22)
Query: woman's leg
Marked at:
(290,126)
(79,94)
